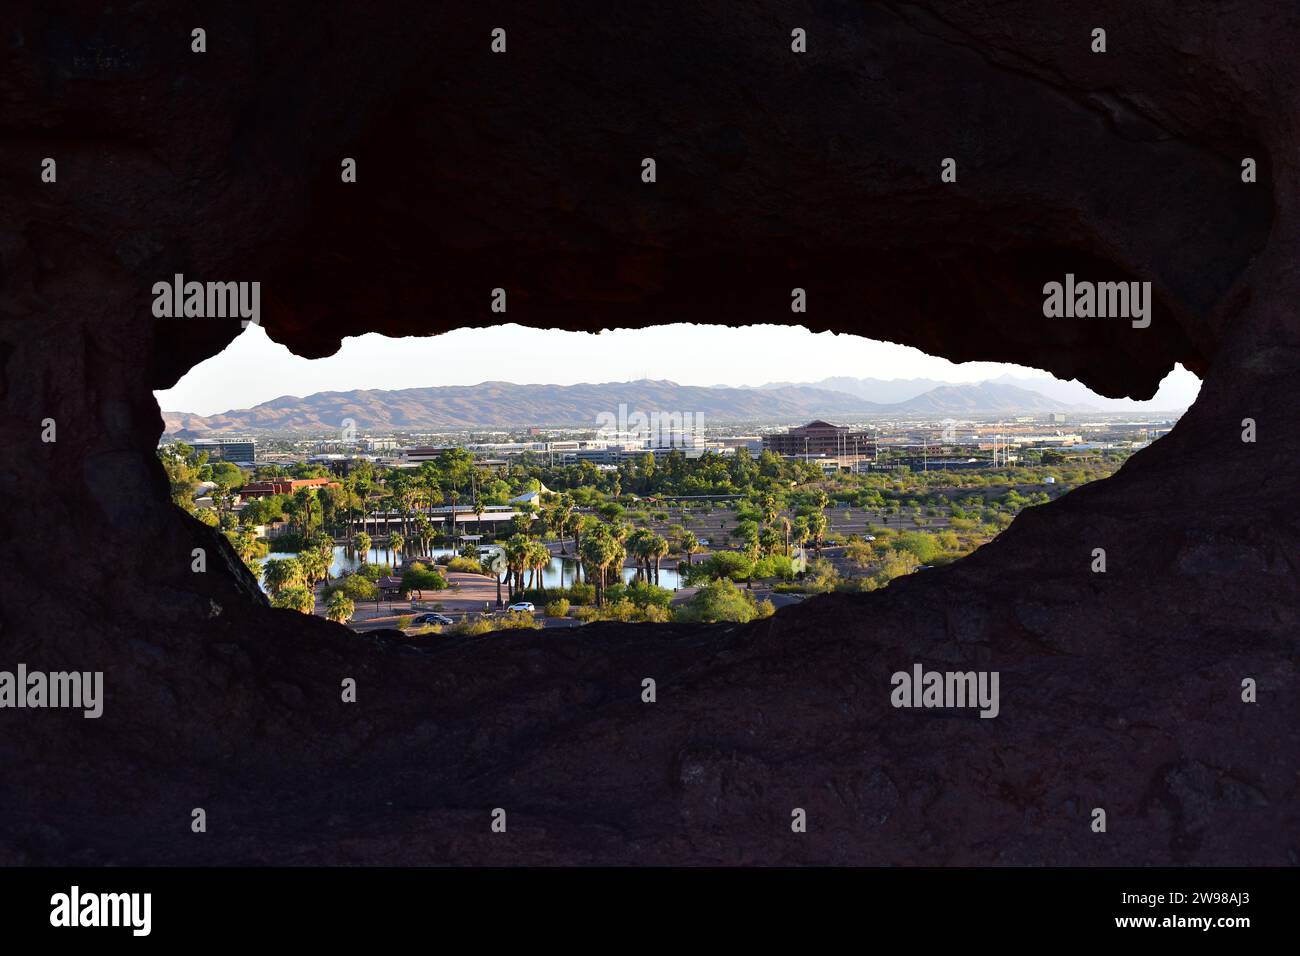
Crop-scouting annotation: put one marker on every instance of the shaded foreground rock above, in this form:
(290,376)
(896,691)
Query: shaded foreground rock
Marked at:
(1119,691)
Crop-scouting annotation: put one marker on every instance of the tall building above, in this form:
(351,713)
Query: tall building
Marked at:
(240,451)
(822,440)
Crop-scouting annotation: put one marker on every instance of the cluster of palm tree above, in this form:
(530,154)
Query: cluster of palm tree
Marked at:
(524,555)
(648,548)
(602,554)
(562,517)
(292,581)
(688,544)
(361,544)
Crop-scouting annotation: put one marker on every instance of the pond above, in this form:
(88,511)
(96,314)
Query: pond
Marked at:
(561,572)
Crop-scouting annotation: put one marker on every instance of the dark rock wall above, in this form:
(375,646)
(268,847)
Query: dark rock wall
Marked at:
(775,170)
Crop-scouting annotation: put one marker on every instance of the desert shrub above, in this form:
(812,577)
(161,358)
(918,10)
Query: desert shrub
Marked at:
(774,566)
(720,600)
(575,594)
(625,612)
(474,625)
(558,608)
(820,577)
(470,565)
(920,544)
(643,594)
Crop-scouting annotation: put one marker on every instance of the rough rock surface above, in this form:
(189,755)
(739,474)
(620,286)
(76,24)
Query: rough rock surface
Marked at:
(775,170)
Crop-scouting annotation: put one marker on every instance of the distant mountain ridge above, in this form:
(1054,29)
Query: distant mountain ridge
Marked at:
(504,404)
(1073,395)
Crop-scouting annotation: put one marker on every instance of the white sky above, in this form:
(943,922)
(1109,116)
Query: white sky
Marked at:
(253,369)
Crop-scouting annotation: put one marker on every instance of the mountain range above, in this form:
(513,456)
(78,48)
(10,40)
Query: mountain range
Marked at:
(1174,395)
(504,404)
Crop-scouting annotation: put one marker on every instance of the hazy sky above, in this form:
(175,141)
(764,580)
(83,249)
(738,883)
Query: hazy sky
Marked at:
(253,369)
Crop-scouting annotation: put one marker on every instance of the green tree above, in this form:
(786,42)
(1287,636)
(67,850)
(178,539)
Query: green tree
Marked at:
(182,468)
(314,567)
(296,598)
(920,544)
(719,600)
(357,587)
(247,547)
(339,608)
(280,574)
(419,578)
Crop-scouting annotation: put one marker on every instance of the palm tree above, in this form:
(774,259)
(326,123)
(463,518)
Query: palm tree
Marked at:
(598,552)
(785,528)
(339,608)
(362,544)
(281,574)
(324,546)
(245,543)
(800,531)
(566,512)
(540,558)
(291,510)
(817,529)
(395,544)
(305,498)
(423,532)
(690,544)
(517,549)
(576,523)
(499,566)
(313,567)
(453,497)
(638,546)
(656,548)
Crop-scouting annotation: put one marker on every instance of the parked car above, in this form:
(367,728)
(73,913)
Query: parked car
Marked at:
(433,619)
(868,537)
(522,606)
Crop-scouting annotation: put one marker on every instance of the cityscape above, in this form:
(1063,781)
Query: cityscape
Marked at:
(640,514)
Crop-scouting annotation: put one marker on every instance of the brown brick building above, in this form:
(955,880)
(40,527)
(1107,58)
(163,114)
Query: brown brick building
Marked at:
(822,440)
(282,486)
